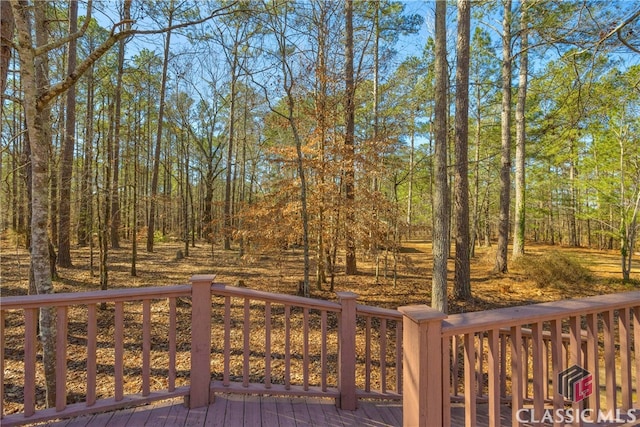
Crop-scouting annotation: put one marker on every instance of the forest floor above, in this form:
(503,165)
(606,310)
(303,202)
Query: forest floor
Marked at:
(546,273)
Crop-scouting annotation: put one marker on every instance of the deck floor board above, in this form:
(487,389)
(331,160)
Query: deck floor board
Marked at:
(231,410)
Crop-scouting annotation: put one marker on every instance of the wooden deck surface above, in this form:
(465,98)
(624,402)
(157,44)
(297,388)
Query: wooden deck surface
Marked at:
(233,410)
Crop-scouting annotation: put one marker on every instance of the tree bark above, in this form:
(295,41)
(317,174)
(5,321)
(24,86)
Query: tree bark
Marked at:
(349,142)
(153,204)
(462,275)
(441,188)
(35,82)
(115,187)
(66,157)
(505,158)
(520,205)
(6,35)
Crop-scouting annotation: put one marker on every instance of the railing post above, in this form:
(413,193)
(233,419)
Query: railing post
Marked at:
(200,377)
(347,352)
(422,403)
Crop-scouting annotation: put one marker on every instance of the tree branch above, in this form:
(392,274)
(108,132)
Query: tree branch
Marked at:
(62,86)
(39,50)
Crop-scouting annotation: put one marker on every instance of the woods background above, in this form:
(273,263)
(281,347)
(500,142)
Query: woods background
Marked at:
(266,125)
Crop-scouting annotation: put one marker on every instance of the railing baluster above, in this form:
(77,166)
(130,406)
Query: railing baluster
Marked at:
(172,343)
(470,379)
(592,360)
(455,363)
(246,335)
(118,365)
(92,345)
(557,347)
(575,343)
(30,345)
(636,350)
(525,366)
(287,347)
(227,340)
(323,350)
(503,365)
(537,357)
(625,357)
(267,345)
(61,358)
(1,364)
(545,367)
(516,373)
(609,359)
(146,346)
(383,355)
(305,348)
(398,357)
(367,354)
(445,358)
(493,368)
(480,363)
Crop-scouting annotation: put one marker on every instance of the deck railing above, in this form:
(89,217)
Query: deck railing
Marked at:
(194,341)
(135,346)
(567,361)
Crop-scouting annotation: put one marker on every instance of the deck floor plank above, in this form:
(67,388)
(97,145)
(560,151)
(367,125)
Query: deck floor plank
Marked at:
(159,414)
(197,416)
(269,411)
(252,411)
(121,418)
(237,410)
(286,416)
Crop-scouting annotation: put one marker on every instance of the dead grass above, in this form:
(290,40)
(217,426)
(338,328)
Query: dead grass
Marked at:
(584,272)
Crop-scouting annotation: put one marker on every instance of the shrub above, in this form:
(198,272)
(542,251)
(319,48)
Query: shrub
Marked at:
(554,269)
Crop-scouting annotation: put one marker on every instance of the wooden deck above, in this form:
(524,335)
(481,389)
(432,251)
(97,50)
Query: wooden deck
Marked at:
(241,410)
(231,410)
(248,410)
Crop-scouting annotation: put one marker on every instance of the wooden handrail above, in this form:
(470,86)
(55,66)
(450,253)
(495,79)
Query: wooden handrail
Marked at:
(221,289)
(464,323)
(94,297)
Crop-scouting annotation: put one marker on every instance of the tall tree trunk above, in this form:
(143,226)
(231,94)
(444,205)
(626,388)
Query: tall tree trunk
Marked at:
(520,205)
(35,82)
(6,35)
(462,276)
(573,203)
(228,191)
(349,142)
(153,205)
(66,157)
(115,187)
(85,212)
(475,229)
(321,117)
(104,205)
(505,158)
(440,188)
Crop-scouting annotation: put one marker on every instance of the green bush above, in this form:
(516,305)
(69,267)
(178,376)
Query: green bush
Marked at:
(555,269)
